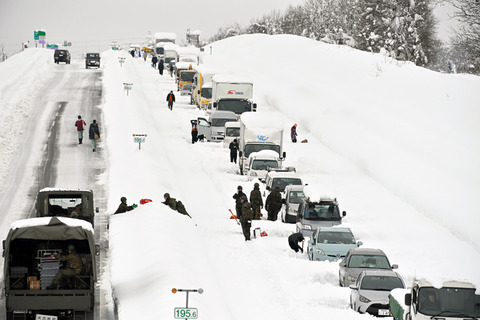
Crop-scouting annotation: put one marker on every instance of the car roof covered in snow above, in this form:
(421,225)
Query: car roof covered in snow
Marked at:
(318,194)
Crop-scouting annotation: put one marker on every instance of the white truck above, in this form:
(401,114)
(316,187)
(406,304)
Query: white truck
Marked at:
(213,129)
(455,300)
(232,92)
(259,131)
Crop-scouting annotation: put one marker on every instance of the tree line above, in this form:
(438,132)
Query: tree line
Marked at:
(402,29)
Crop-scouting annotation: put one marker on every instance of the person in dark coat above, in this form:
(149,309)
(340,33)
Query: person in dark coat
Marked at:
(293,241)
(194,131)
(160,66)
(154,61)
(246,218)
(233,150)
(175,204)
(256,201)
(238,201)
(273,204)
(293,133)
(80,124)
(170,98)
(171,68)
(124,207)
(94,134)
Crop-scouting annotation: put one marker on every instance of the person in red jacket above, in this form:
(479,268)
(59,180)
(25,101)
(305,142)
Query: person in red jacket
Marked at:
(80,124)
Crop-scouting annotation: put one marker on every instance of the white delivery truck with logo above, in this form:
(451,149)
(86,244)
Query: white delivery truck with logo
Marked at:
(259,131)
(231,92)
(213,129)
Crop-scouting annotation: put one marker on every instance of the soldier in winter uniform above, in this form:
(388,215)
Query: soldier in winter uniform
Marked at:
(174,204)
(246,218)
(256,201)
(238,201)
(123,207)
(73,266)
(273,204)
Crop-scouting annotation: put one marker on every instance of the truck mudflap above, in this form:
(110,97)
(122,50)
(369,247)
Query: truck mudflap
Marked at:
(49,300)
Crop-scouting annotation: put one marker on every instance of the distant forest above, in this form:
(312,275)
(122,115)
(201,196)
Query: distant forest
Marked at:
(401,29)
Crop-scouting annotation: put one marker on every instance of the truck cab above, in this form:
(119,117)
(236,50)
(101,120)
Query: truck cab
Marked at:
(72,203)
(259,162)
(455,300)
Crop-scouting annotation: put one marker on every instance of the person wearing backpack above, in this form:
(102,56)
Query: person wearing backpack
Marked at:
(174,204)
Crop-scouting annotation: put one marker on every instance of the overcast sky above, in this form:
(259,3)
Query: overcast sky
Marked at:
(90,25)
(86,23)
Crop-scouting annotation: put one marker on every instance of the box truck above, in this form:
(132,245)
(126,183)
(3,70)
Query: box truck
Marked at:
(232,93)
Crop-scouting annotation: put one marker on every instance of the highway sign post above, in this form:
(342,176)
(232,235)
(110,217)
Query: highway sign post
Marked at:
(127,87)
(121,60)
(139,138)
(186,313)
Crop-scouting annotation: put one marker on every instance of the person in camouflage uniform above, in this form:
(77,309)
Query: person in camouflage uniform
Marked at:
(123,207)
(256,201)
(246,218)
(273,204)
(238,202)
(73,267)
(174,204)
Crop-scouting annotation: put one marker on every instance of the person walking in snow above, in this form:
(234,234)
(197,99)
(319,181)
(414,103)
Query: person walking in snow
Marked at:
(160,66)
(80,124)
(246,217)
(170,99)
(94,134)
(238,201)
(233,150)
(154,61)
(256,201)
(293,133)
(171,70)
(273,204)
(124,207)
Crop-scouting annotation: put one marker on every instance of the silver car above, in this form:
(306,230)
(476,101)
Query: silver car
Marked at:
(370,293)
(359,259)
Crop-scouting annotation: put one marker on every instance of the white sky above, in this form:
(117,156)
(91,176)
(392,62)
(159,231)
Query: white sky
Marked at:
(90,23)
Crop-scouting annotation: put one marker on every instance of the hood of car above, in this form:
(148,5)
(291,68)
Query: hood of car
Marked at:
(336,249)
(376,296)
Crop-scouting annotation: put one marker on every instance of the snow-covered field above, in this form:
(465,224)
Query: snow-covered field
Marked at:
(398,145)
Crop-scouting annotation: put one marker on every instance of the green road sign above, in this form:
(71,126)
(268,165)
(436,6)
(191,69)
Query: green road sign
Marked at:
(185,313)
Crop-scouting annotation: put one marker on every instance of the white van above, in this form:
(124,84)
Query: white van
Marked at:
(213,129)
(259,162)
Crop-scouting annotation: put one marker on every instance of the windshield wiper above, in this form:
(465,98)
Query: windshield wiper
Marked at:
(460,315)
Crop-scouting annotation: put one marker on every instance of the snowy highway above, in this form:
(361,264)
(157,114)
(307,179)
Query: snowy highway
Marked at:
(380,156)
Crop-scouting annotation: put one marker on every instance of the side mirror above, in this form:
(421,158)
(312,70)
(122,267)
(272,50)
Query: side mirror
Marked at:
(408,299)
(240,154)
(353,287)
(359,243)
(97,210)
(215,105)
(284,154)
(254,107)
(394,266)
(344,213)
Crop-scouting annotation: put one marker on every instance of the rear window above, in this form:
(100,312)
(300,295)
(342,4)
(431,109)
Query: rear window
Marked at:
(93,55)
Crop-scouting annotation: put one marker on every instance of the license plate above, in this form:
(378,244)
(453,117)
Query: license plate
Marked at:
(383,312)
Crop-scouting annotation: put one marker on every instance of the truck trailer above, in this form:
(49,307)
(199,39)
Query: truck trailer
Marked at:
(259,131)
(232,93)
(31,262)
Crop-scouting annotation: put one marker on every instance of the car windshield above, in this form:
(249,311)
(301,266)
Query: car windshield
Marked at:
(232,132)
(187,87)
(448,301)
(218,122)
(381,283)
(237,106)
(207,93)
(368,261)
(249,148)
(295,196)
(263,164)
(322,211)
(344,237)
(281,183)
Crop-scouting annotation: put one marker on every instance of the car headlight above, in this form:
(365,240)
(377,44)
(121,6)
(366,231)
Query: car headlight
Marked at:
(351,278)
(319,251)
(363,299)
